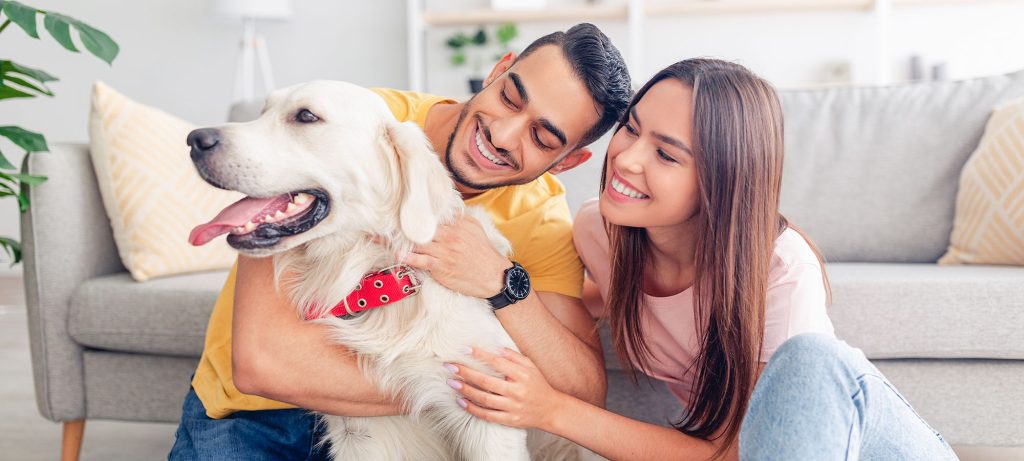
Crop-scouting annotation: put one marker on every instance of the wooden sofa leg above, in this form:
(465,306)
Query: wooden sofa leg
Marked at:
(72,445)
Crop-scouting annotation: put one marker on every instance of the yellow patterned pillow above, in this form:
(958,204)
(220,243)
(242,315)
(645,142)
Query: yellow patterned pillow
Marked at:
(152,194)
(989,223)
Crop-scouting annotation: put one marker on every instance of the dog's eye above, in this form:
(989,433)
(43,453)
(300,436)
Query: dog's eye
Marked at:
(305,116)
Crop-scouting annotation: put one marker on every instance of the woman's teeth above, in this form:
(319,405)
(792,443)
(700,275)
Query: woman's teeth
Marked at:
(486,153)
(626,190)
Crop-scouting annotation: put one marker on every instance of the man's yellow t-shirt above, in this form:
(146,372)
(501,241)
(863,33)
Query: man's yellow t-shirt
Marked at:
(534,217)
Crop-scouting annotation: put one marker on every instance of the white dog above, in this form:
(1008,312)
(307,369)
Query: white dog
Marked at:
(331,175)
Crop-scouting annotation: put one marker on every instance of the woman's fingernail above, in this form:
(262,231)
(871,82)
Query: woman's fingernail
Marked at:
(455,384)
(451,368)
(462,402)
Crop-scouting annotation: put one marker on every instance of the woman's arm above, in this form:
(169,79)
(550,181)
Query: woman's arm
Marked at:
(278,356)
(525,399)
(592,297)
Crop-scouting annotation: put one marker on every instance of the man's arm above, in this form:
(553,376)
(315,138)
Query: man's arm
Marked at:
(554,330)
(277,355)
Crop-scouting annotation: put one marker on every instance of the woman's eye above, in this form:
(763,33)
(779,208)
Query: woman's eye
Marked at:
(666,157)
(305,116)
(631,130)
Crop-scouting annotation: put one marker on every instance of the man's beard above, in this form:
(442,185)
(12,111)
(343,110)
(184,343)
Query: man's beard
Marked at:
(458,175)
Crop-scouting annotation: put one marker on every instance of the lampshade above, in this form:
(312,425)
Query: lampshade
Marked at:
(254,9)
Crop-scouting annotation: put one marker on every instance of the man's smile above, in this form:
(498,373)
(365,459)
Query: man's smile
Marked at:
(482,153)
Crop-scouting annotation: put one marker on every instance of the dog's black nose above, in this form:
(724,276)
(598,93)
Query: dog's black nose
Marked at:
(203,141)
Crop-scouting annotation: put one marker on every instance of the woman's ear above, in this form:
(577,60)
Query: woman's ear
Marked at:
(426,189)
(574,159)
(502,66)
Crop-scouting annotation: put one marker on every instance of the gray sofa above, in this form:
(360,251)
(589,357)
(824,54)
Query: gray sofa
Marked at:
(871,174)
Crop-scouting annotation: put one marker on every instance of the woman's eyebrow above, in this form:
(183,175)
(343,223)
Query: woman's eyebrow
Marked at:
(660,137)
(672,142)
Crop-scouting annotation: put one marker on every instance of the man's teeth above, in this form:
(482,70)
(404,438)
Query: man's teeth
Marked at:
(299,203)
(626,190)
(486,153)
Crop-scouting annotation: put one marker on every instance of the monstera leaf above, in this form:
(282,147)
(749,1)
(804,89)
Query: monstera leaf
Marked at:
(21,81)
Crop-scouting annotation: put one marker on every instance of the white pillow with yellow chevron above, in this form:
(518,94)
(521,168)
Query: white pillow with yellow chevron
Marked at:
(989,223)
(152,194)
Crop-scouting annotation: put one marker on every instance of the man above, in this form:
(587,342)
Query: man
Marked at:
(535,115)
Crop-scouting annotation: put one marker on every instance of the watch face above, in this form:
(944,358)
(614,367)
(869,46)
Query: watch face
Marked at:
(518,283)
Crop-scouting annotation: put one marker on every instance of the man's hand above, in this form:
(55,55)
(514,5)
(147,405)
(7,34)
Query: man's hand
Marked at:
(462,259)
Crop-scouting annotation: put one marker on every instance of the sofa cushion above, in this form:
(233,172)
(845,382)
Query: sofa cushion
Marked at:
(164,316)
(929,311)
(871,172)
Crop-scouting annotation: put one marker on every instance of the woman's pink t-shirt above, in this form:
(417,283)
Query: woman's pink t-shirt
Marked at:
(796,302)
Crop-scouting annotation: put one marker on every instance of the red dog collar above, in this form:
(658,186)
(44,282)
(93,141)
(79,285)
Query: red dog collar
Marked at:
(377,289)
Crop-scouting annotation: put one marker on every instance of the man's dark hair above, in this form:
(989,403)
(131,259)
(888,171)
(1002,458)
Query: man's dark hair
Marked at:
(601,68)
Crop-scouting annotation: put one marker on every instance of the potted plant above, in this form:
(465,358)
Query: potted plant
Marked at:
(468,48)
(19,81)
(471,48)
(504,34)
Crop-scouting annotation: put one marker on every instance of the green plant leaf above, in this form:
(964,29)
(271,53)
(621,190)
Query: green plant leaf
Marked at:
(24,84)
(457,41)
(41,76)
(23,202)
(506,33)
(458,59)
(59,28)
(23,16)
(7,189)
(7,92)
(480,37)
(25,178)
(4,163)
(97,42)
(13,249)
(30,141)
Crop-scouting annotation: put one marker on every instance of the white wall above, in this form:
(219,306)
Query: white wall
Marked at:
(178,57)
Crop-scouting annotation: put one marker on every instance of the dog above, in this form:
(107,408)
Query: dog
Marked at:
(336,189)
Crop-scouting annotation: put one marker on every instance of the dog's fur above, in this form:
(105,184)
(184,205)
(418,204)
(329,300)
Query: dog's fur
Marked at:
(387,191)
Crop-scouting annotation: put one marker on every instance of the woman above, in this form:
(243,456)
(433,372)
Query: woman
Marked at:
(703,281)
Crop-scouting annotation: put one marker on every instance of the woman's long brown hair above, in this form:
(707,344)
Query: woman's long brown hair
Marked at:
(738,152)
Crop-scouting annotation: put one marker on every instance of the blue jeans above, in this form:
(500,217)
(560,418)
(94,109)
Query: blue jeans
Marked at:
(247,435)
(820,399)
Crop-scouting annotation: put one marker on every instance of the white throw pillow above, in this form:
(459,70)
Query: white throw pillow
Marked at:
(152,193)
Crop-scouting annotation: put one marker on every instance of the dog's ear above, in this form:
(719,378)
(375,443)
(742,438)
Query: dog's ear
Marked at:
(426,189)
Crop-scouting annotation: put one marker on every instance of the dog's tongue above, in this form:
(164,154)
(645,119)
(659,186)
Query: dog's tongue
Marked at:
(236,214)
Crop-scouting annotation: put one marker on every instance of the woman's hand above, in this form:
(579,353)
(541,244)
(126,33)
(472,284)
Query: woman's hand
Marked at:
(523,399)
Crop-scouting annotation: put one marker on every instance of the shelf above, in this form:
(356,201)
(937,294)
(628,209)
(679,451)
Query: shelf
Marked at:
(488,16)
(620,11)
(754,6)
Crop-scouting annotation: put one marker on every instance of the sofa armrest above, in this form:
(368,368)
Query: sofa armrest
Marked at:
(66,239)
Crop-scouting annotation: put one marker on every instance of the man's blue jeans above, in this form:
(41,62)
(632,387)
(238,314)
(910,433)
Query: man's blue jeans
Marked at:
(820,399)
(247,435)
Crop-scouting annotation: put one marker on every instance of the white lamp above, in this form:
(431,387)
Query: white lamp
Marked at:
(253,49)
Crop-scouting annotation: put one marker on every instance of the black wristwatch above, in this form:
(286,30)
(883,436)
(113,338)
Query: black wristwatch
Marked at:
(517,287)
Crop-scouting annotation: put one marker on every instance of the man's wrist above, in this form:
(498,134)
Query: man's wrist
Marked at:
(498,281)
